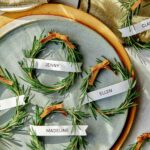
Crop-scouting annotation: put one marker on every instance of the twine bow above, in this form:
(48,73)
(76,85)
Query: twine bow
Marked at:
(6,81)
(95,70)
(49,109)
(55,35)
(141,139)
(3,79)
(136,4)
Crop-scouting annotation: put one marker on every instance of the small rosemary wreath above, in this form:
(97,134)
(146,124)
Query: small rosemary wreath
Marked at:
(72,55)
(76,116)
(89,81)
(18,120)
(141,140)
(132,9)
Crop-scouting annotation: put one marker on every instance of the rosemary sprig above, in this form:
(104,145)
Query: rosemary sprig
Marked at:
(132,147)
(18,120)
(77,143)
(129,100)
(133,41)
(72,56)
(36,142)
(77,117)
(141,140)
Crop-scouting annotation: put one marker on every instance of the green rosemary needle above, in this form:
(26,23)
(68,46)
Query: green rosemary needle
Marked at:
(128,102)
(18,120)
(77,118)
(133,41)
(72,55)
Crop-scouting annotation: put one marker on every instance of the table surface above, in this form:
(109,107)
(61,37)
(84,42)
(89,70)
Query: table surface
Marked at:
(142,67)
(142,121)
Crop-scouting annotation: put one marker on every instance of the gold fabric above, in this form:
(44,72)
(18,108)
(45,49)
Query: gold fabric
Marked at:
(110,13)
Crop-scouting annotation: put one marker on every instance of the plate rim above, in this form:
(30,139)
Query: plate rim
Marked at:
(100,28)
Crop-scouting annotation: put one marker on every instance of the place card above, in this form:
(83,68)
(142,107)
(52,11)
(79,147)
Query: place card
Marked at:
(55,65)
(107,91)
(136,28)
(12,102)
(66,130)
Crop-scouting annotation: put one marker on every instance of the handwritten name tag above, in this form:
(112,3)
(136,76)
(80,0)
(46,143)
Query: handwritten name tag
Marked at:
(58,130)
(55,65)
(12,102)
(136,28)
(107,91)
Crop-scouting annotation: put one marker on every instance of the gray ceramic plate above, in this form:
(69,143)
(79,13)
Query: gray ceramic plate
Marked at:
(18,35)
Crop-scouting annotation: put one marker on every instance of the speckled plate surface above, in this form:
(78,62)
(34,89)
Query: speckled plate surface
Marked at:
(18,35)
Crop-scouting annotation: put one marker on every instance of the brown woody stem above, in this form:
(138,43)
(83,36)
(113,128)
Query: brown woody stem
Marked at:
(95,70)
(141,139)
(49,109)
(6,81)
(136,4)
(55,35)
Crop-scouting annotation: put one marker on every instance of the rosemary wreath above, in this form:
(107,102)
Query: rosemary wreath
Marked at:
(18,120)
(132,9)
(88,84)
(72,55)
(141,140)
(76,116)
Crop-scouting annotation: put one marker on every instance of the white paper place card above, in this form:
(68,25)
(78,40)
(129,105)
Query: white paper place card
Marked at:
(59,130)
(107,91)
(12,102)
(136,28)
(55,65)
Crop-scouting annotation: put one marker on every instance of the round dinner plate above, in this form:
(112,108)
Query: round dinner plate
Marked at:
(95,40)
